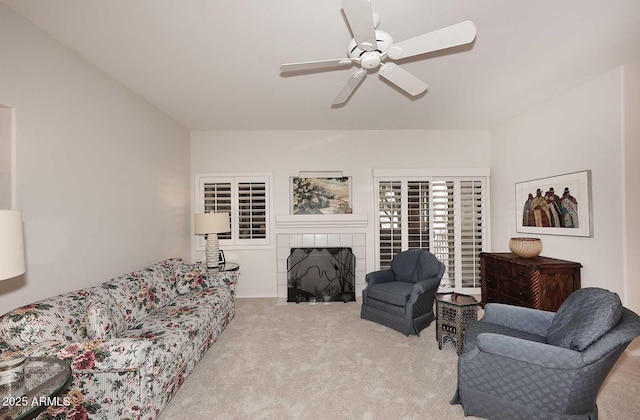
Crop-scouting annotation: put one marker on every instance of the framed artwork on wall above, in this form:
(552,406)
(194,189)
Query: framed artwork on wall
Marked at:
(321,195)
(557,205)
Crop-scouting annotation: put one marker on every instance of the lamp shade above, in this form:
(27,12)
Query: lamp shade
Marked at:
(212,223)
(11,244)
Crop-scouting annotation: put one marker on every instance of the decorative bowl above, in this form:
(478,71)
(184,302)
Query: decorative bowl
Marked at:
(526,247)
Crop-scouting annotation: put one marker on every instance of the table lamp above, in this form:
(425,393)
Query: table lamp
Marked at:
(11,265)
(11,244)
(210,224)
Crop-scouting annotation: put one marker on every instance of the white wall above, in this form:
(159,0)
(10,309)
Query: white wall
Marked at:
(102,177)
(5,158)
(356,153)
(577,131)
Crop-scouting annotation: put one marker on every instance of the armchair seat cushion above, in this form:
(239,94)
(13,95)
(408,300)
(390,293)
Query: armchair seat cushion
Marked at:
(396,292)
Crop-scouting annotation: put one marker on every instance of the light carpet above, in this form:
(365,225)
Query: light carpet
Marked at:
(321,361)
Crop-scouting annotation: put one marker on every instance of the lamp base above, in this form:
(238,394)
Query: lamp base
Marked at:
(212,252)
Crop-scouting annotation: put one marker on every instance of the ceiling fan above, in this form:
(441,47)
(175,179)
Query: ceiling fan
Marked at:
(370,47)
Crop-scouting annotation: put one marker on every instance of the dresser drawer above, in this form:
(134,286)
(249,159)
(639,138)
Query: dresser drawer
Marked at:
(497,267)
(517,289)
(520,272)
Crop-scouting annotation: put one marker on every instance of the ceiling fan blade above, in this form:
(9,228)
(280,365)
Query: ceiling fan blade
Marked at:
(403,79)
(354,81)
(360,19)
(451,36)
(317,65)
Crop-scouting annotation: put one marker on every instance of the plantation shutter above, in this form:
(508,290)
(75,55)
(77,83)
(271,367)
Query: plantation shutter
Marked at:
(390,221)
(445,216)
(472,238)
(444,238)
(217,199)
(245,198)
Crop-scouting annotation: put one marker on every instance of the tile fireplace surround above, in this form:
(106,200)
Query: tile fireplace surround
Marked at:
(320,232)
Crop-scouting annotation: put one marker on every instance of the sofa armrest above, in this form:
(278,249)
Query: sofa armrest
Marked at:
(378,277)
(529,320)
(540,354)
(111,355)
(224,278)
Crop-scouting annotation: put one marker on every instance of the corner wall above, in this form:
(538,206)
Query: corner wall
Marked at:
(102,177)
(578,131)
(631,191)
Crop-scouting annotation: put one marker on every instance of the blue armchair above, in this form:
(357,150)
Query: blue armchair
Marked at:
(401,297)
(522,363)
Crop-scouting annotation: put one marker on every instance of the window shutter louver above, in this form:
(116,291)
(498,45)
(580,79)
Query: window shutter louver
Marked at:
(252,210)
(472,209)
(217,199)
(443,246)
(390,221)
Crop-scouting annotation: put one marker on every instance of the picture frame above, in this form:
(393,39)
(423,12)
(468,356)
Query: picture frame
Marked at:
(221,259)
(556,205)
(331,195)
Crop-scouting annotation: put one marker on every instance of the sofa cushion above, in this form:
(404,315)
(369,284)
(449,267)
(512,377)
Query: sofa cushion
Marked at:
(136,294)
(173,330)
(215,296)
(164,278)
(189,278)
(102,320)
(585,316)
(59,318)
(31,324)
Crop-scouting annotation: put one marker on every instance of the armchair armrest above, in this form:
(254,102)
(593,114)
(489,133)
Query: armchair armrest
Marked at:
(378,277)
(425,285)
(111,355)
(540,354)
(529,320)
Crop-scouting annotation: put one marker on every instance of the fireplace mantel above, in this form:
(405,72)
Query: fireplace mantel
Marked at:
(311,221)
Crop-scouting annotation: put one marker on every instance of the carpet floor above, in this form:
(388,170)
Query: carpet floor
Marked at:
(323,362)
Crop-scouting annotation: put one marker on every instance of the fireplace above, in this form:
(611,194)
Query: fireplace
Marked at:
(321,275)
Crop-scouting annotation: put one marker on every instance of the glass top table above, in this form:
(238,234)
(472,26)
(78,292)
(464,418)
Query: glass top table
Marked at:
(45,379)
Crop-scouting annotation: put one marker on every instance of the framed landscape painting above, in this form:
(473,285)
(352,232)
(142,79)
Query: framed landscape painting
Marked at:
(320,195)
(557,205)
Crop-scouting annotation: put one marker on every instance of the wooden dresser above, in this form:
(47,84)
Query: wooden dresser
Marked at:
(539,282)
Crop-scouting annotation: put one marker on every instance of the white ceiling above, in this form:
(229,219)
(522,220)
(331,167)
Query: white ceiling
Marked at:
(214,65)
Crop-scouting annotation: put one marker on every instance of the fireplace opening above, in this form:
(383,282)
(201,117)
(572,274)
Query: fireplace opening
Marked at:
(321,275)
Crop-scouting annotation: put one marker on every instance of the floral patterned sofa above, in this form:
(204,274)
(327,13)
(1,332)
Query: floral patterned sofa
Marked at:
(130,342)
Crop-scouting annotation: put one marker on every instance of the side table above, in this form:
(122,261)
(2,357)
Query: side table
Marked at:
(229,266)
(45,379)
(453,313)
